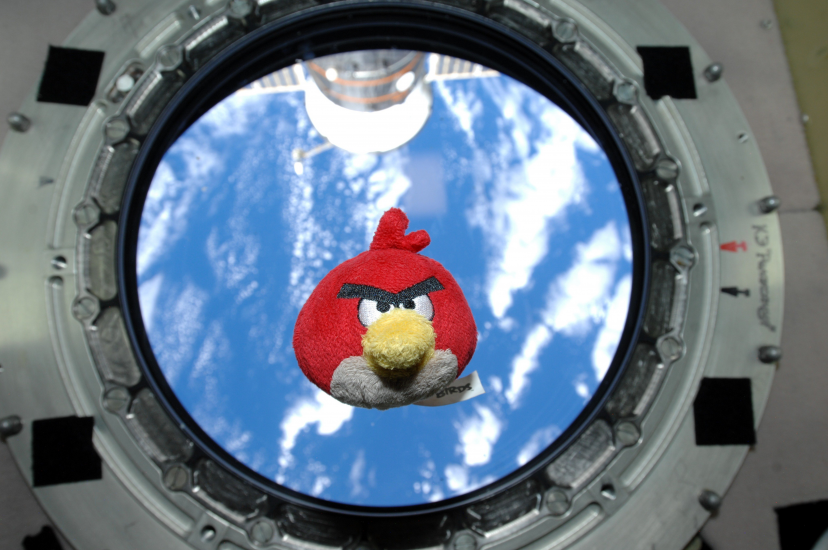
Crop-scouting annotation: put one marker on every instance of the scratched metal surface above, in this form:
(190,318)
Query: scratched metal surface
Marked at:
(787,466)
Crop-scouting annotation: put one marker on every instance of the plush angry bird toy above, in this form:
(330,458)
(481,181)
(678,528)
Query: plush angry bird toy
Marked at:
(387,328)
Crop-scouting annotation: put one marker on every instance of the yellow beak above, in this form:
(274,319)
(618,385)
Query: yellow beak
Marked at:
(398,344)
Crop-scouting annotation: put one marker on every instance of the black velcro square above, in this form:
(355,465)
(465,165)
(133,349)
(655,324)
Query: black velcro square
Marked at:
(668,71)
(45,540)
(801,525)
(70,76)
(62,451)
(723,411)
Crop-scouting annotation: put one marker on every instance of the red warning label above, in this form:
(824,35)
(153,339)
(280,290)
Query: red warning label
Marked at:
(734,246)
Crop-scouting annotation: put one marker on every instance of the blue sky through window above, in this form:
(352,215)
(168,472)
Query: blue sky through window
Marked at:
(523,209)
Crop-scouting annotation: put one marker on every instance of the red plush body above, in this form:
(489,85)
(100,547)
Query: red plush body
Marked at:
(328,329)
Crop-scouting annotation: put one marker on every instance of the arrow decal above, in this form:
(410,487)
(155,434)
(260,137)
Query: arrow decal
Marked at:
(734,246)
(735,291)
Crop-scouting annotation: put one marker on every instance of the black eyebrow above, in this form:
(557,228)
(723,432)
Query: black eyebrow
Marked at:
(429,285)
(349,290)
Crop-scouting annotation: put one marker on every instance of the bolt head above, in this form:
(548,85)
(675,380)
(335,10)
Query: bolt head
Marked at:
(106,7)
(625,92)
(465,542)
(176,477)
(58,263)
(9,426)
(667,169)
(87,214)
(769,204)
(240,8)
(208,533)
(116,399)
(683,257)
(557,502)
(125,83)
(710,501)
(85,308)
(714,72)
(169,57)
(627,434)
(770,354)
(608,492)
(116,129)
(262,532)
(670,348)
(565,30)
(19,122)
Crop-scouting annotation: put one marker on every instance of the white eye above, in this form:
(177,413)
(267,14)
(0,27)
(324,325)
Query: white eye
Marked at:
(422,305)
(371,310)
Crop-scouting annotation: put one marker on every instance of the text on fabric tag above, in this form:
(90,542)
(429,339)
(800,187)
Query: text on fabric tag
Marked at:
(461,389)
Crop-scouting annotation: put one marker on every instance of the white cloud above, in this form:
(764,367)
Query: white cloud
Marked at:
(356,474)
(577,301)
(320,484)
(626,240)
(460,480)
(539,441)
(312,242)
(373,184)
(495,384)
(527,361)
(477,435)
(148,292)
(231,436)
(234,115)
(233,260)
(581,387)
(210,411)
(533,184)
(165,216)
(174,339)
(385,188)
(465,106)
(238,442)
(429,486)
(328,414)
(247,291)
(610,334)
(172,192)
(215,345)
(357,165)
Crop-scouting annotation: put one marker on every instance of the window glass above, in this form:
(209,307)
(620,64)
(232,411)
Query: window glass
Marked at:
(258,200)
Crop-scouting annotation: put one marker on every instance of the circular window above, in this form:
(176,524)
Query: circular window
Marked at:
(254,203)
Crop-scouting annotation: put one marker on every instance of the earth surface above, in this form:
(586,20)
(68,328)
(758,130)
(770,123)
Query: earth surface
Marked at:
(522,208)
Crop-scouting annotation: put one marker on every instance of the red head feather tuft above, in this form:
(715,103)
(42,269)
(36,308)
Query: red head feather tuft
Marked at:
(391,233)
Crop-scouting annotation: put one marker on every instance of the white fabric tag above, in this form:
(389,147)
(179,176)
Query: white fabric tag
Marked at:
(461,389)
